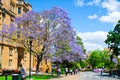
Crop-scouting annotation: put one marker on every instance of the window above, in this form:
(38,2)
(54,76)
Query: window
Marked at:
(10,51)
(25,53)
(19,1)
(11,7)
(25,60)
(24,10)
(10,62)
(15,50)
(19,10)
(11,20)
(25,56)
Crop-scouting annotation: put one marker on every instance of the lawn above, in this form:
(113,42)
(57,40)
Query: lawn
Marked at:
(3,77)
(40,77)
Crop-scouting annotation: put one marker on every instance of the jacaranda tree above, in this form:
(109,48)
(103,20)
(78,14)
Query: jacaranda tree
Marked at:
(51,30)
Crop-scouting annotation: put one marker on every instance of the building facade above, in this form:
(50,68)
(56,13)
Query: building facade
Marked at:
(11,53)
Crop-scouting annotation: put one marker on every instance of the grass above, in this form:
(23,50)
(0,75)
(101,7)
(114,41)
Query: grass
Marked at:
(39,77)
(3,78)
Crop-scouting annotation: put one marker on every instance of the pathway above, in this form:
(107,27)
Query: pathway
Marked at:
(85,76)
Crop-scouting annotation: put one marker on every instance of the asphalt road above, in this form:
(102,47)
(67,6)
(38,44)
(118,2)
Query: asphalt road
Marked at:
(95,76)
(85,76)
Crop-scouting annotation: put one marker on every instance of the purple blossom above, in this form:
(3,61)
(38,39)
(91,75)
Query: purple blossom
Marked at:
(115,60)
(51,29)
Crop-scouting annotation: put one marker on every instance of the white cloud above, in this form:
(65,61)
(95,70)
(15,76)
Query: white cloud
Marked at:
(93,16)
(79,2)
(91,46)
(90,3)
(111,5)
(94,2)
(113,11)
(111,17)
(93,40)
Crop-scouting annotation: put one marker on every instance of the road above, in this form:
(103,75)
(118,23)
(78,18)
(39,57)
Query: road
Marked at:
(85,76)
(95,76)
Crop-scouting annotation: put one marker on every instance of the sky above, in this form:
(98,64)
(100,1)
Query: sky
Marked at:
(92,19)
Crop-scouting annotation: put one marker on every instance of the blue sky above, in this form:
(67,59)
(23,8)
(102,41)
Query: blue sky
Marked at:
(91,19)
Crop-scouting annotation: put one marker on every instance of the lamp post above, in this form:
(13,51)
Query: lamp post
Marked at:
(31,38)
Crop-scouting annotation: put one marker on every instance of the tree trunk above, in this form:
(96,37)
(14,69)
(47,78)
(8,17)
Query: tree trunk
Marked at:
(58,67)
(39,59)
(37,66)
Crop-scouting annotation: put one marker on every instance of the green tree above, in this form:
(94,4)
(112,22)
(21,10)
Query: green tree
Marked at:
(96,58)
(113,39)
(100,58)
(83,63)
(80,43)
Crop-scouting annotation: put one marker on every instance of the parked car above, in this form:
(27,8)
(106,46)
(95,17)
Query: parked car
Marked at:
(97,70)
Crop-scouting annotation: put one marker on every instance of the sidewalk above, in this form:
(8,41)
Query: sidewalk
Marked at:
(68,77)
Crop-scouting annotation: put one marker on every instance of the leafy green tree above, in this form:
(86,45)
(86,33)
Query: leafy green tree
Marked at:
(118,63)
(83,63)
(80,43)
(101,58)
(96,59)
(113,39)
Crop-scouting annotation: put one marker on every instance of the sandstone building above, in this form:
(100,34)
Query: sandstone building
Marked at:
(11,53)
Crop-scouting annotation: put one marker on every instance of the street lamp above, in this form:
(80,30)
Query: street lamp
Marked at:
(30,38)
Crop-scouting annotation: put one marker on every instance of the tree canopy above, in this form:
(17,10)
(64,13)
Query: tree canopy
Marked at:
(97,58)
(52,33)
(113,40)
(79,42)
